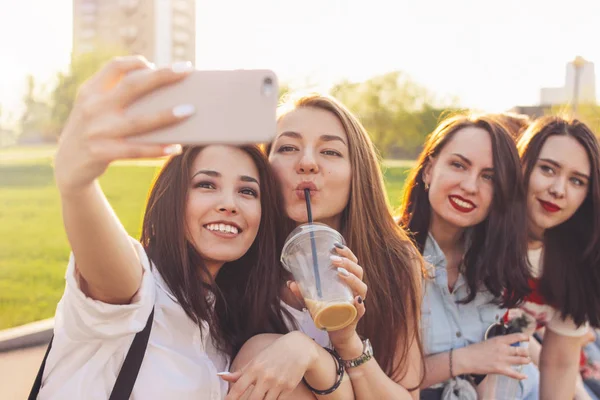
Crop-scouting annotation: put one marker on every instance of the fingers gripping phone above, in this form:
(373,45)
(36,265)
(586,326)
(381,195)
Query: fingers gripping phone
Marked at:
(232,107)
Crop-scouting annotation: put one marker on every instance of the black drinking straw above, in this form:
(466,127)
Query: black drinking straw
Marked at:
(313,244)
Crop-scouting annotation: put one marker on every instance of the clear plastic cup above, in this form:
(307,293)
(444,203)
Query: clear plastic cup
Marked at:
(501,387)
(328,299)
(498,386)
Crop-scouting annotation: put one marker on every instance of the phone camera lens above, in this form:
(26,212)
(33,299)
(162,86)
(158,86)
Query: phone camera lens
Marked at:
(268,87)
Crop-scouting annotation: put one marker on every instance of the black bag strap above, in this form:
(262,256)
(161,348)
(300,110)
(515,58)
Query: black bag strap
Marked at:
(37,384)
(129,370)
(133,361)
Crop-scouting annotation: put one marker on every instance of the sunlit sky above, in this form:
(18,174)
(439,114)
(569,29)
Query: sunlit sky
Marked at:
(491,54)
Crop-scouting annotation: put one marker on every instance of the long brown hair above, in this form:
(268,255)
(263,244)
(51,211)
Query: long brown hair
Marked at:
(570,279)
(246,291)
(392,266)
(497,254)
(514,123)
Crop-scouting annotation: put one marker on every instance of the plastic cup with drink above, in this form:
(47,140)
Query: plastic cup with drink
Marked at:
(307,255)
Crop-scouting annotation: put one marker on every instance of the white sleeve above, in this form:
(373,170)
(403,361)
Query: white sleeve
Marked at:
(82,318)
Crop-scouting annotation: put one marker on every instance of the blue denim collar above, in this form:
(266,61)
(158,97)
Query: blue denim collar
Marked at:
(436,264)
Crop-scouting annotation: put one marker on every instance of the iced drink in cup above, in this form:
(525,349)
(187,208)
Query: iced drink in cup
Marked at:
(306,254)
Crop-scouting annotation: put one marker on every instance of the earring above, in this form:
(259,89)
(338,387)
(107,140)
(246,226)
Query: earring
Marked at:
(426,186)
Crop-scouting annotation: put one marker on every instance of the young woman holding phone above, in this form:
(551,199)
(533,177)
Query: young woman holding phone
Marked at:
(203,278)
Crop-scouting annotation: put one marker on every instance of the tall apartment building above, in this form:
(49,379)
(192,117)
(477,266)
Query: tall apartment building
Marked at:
(164,31)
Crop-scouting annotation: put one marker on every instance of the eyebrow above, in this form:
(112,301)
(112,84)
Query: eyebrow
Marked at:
(293,135)
(246,178)
(325,138)
(331,138)
(208,172)
(467,161)
(558,165)
(215,174)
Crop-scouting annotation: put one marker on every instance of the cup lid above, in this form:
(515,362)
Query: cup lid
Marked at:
(303,229)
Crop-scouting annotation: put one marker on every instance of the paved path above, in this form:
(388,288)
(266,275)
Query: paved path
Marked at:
(18,369)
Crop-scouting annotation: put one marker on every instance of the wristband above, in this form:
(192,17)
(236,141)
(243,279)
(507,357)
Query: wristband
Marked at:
(340,373)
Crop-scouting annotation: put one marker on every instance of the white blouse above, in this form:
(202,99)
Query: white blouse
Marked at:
(91,339)
(306,325)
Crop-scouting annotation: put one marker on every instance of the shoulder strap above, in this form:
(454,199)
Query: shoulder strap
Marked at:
(133,361)
(37,384)
(129,370)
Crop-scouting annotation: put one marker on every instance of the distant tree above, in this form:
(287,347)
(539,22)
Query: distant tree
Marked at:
(590,114)
(397,112)
(8,133)
(284,89)
(586,112)
(5,137)
(81,68)
(34,124)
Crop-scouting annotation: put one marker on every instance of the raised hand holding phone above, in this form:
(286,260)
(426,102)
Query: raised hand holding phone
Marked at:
(231,107)
(98,125)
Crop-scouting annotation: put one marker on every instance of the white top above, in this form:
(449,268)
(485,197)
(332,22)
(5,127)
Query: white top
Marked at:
(307,325)
(544,314)
(91,339)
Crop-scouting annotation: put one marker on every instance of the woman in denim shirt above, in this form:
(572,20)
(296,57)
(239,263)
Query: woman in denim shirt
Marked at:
(465,206)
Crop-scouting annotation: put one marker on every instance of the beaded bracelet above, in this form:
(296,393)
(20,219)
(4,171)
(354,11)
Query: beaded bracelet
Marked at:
(340,373)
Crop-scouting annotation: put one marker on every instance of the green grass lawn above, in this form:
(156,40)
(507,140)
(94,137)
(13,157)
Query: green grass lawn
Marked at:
(33,247)
(394,184)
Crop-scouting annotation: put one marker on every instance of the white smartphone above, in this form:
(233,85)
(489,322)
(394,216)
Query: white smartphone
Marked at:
(232,107)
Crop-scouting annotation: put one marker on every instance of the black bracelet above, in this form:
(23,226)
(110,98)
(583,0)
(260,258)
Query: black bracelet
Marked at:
(340,373)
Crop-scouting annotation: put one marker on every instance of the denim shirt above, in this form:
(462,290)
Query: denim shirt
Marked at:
(447,323)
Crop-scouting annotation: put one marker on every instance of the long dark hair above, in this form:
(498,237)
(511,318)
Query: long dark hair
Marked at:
(570,279)
(392,265)
(515,124)
(497,254)
(246,291)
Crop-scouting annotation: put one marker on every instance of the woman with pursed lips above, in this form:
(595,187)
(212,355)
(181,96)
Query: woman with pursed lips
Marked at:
(322,147)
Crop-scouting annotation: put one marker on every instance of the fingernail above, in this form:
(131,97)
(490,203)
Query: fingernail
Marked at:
(338,245)
(360,300)
(335,258)
(181,67)
(223,373)
(343,271)
(184,110)
(172,149)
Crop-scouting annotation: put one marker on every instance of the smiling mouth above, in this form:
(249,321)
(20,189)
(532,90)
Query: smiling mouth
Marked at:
(223,230)
(461,204)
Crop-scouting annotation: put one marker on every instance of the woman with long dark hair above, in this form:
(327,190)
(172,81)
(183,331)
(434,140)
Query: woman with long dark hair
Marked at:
(205,277)
(464,205)
(321,145)
(561,165)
